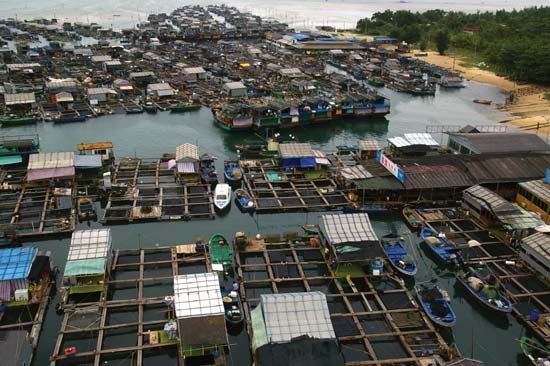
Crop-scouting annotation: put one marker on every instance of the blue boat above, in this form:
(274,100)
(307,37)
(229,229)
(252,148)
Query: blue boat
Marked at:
(447,253)
(244,201)
(399,258)
(436,305)
(233,308)
(232,172)
(481,284)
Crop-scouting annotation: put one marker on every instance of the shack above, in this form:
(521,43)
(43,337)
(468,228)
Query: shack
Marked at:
(535,196)
(199,311)
(88,261)
(15,267)
(294,329)
(351,236)
(103,148)
(235,89)
(297,155)
(484,143)
(535,251)
(160,90)
(194,73)
(19,103)
(142,78)
(46,166)
(368,148)
(100,95)
(187,163)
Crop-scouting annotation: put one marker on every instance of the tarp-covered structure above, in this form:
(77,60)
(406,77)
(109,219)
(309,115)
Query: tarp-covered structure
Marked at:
(187,158)
(297,155)
(351,235)
(15,266)
(199,309)
(50,165)
(294,329)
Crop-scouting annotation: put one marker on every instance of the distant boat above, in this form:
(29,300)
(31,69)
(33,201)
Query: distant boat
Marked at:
(222,196)
(439,245)
(483,101)
(435,303)
(232,171)
(481,284)
(534,351)
(221,251)
(244,201)
(412,218)
(234,314)
(399,258)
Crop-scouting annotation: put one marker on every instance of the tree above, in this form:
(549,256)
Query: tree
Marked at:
(423,44)
(442,41)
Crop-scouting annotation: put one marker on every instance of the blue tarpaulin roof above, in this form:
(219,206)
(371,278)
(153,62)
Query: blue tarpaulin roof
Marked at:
(15,263)
(7,160)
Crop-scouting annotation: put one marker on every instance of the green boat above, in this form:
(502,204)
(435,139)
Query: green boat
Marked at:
(9,120)
(184,107)
(221,251)
(376,82)
(534,350)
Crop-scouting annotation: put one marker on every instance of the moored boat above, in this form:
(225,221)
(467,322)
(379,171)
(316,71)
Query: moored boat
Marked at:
(233,308)
(436,304)
(208,169)
(481,284)
(181,107)
(232,171)
(9,120)
(222,196)
(244,201)
(483,101)
(438,244)
(534,351)
(86,209)
(399,258)
(150,107)
(221,252)
(413,220)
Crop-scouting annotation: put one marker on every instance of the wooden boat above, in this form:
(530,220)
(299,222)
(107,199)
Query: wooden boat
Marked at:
(184,107)
(447,253)
(150,107)
(413,220)
(9,120)
(67,117)
(244,201)
(399,258)
(233,308)
(534,350)
(483,101)
(222,196)
(436,304)
(207,170)
(221,251)
(481,284)
(86,209)
(232,171)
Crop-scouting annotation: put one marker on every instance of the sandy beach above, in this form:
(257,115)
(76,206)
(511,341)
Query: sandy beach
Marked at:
(528,110)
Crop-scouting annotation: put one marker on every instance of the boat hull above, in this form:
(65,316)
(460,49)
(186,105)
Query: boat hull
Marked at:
(481,300)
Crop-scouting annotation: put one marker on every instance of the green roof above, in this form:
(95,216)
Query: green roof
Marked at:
(85,267)
(7,160)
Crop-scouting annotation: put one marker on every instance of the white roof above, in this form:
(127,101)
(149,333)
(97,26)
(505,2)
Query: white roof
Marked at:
(96,91)
(369,145)
(222,188)
(90,244)
(19,98)
(51,160)
(295,150)
(197,295)
(193,70)
(399,141)
(234,85)
(101,58)
(288,316)
(348,228)
(187,151)
(421,139)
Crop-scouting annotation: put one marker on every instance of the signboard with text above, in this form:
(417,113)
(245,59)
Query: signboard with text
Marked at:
(393,168)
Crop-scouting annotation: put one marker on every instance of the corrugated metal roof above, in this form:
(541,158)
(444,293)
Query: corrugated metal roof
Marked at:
(101,58)
(421,139)
(51,160)
(438,176)
(15,263)
(193,70)
(94,91)
(85,267)
(90,244)
(141,74)
(540,243)
(538,188)
(19,98)
(187,151)
(159,86)
(87,161)
(398,141)
(369,145)
(356,172)
(295,150)
(234,85)
(348,228)
(483,143)
(292,315)
(197,295)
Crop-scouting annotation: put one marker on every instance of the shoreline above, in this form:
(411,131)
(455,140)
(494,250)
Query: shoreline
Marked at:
(529,111)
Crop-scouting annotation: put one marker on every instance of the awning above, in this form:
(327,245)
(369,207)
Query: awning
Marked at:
(39,174)
(186,167)
(8,160)
(85,267)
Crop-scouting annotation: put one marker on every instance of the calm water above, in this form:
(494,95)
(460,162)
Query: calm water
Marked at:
(151,135)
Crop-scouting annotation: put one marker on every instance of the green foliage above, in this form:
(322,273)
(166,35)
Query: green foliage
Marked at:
(547,96)
(514,43)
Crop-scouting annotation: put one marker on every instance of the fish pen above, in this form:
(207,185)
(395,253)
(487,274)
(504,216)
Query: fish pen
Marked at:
(274,189)
(132,321)
(146,189)
(375,319)
(476,243)
(37,210)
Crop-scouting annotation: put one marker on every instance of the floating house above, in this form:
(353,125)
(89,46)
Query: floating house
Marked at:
(88,261)
(46,166)
(187,163)
(160,90)
(535,196)
(100,95)
(235,89)
(351,236)
(535,251)
(368,148)
(297,155)
(294,329)
(200,313)
(103,149)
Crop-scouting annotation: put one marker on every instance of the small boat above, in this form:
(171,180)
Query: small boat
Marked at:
(150,107)
(534,351)
(244,201)
(447,253)
(435,303)
(208,170)
(184,107)
(232,171)
(221,252)
(234,314)
(69,116)
(222,196)
(399,258)
(412,218)
(481,283)
(483,101)
(9,120)
(86,209)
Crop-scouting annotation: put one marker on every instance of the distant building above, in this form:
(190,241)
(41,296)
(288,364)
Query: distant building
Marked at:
(235,89)
(486,143)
